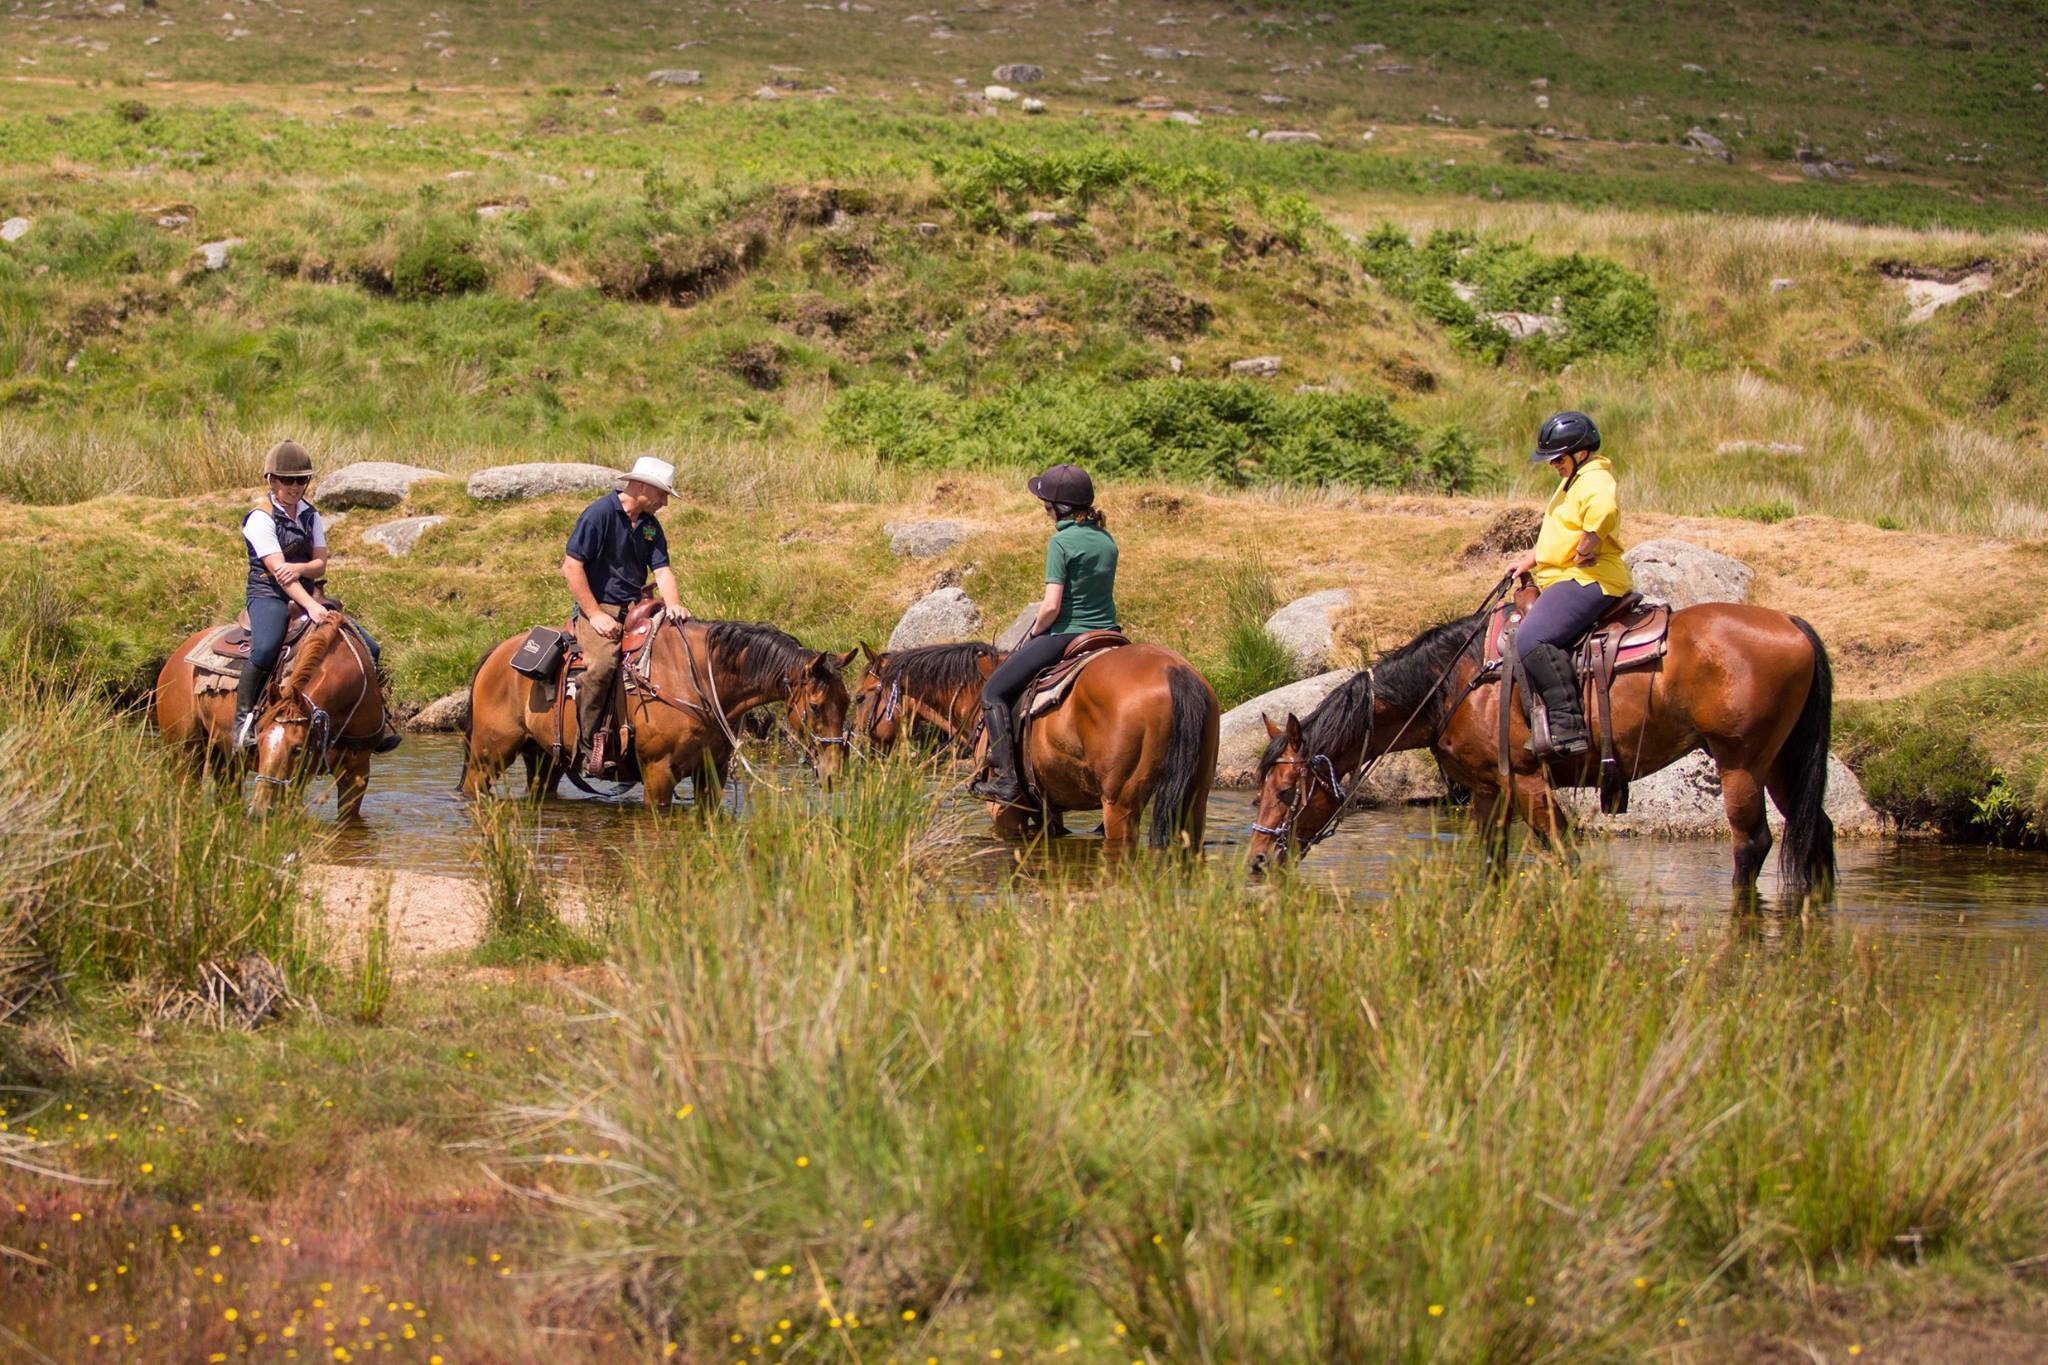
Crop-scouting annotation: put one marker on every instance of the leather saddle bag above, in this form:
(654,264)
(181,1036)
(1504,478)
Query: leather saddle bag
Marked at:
(540,654)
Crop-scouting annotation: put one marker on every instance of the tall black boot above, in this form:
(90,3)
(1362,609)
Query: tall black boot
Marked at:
(1552,676)
(248,702)
(388,738)
(1003,783)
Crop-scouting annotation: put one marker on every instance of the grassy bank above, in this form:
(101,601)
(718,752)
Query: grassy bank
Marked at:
(846,1110)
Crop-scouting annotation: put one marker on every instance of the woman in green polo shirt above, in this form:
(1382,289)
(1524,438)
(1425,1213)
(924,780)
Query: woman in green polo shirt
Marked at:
(1080,596)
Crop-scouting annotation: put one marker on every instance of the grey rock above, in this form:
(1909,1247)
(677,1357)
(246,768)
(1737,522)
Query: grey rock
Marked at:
(1782,283)
(675,76)
(1700,140)
(999,94)
(1256,367)
(171,222)
(937,618)
(447,713)
(1306,626)
(1368,49)
(1018,73)
(397,538)
(1014,633)
(1693,68)
(1048,218)
(1525,325)
(538,480)
(1164,54)
(1183,116)
(1685,799)
(1277,101)
(923,539)
(14,229)
(767,92)
(1031,106)
(1286,135)
(214,255)
(490,211)
(1241,735)
(370,483)
(927,230)
(1685,575)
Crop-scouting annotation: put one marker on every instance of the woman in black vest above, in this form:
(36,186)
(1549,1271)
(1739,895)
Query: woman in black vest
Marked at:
(287,544)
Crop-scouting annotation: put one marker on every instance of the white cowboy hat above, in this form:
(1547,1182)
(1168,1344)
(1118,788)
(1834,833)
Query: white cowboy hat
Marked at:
(652,472)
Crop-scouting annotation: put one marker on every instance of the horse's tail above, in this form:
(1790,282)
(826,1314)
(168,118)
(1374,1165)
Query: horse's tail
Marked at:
(1808,858)
(469,716)
(1181,776)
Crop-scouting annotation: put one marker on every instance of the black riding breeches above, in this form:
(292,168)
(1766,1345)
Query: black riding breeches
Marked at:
(1026,662)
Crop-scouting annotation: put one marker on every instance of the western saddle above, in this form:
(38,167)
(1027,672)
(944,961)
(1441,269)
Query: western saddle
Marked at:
(1043,694)
(1629,637)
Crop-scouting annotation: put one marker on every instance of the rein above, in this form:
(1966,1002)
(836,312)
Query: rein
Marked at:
(1320,766)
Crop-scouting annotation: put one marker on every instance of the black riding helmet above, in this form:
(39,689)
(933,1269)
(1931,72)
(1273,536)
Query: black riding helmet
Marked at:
(1066,484)
(1567,433)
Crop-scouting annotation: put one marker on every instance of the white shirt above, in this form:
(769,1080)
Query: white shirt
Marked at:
(259,528)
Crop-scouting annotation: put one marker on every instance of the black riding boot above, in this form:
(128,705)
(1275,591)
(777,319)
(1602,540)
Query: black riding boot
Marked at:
(1003,783)
(1552,676)
(248,701)
(388,738)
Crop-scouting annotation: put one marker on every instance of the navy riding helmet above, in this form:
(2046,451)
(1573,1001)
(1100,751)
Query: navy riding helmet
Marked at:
(1566,434)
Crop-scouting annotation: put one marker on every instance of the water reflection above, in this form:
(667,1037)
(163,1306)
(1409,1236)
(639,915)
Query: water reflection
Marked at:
(1967,905)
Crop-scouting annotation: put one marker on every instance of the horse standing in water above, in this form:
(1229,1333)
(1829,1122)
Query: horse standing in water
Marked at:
(324,713)
(702,678)
(932,691)
(1750,685)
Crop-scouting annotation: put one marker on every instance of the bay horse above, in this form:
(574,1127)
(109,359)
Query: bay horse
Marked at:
(1138,727)
(932,692)
(705,677)
(323,713)
(1750,685)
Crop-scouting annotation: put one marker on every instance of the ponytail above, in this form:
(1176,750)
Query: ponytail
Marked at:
(1086,516)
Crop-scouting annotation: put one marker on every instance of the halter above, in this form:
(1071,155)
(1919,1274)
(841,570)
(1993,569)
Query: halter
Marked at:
(321,730)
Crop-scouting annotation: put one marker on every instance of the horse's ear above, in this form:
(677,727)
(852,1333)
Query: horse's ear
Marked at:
(845,661)
(1293,730)
(1272,731)
(868,650)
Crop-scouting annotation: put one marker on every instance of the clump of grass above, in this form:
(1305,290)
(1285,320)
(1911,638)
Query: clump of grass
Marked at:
(372,986)
(148,877)
(1254,661)
(521,921)
(1050,1112)
(1769,513)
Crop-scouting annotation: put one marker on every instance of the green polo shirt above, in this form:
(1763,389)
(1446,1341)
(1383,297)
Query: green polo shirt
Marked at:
(1083,559)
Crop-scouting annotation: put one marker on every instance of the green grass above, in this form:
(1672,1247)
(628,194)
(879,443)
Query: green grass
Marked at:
(1477,1119)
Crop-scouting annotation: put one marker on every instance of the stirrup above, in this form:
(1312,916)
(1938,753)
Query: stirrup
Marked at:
(242,739)
(992,788)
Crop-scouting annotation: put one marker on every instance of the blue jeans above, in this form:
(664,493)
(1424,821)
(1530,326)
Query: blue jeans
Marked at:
(1564,612)
(268,618)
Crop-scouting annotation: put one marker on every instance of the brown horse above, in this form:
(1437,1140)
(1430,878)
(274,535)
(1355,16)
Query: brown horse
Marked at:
(932,692)
(705,677)
(323,713)
(1750,685)
(1139,726)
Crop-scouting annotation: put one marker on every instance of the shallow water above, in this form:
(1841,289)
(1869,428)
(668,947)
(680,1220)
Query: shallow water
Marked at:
(1949,905)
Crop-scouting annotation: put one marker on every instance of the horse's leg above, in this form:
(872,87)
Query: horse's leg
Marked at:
(658,781)
(710,782)
(1538,807)
(351,781)
(1119,828)
(1742,793)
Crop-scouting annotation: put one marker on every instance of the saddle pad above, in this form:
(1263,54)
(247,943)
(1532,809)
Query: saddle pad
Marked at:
(209,654)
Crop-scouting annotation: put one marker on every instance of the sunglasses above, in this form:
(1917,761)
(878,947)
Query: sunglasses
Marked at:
(292,480)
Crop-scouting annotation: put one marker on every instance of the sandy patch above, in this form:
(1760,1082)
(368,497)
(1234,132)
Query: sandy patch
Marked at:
(430,915)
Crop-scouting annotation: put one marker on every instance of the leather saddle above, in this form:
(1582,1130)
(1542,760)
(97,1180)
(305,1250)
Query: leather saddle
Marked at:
(1050,688)
(234,644)
(1630,636)
(616,737)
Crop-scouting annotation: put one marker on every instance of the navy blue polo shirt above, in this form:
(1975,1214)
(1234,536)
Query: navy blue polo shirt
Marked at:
(617,553)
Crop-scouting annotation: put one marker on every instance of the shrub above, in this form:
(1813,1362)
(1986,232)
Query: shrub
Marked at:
(438,262)
(1254,661)
(1232,432)
(1769,513)
(1926,776)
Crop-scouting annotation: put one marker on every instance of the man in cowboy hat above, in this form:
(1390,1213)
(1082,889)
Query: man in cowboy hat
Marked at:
(615,544)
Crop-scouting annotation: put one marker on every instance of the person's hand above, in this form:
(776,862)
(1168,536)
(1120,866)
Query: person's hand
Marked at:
(605,624)
(676,612)
(1587,552)
(316,613)
(286,575)
(1521,564)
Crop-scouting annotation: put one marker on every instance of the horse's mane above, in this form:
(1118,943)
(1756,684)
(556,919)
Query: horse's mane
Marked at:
(313,649)
(1404,678)
(758,652)
(939,670)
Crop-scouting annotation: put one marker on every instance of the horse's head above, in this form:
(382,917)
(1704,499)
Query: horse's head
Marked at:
(818,706)
(1298,795)
(875,714)
(328,692)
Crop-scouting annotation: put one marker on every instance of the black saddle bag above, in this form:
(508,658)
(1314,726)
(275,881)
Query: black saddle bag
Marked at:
(539,655)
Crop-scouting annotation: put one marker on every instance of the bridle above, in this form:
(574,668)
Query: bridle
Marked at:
(1322,769)
(320,727)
